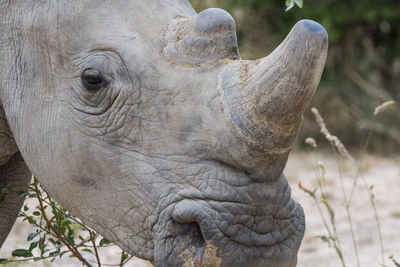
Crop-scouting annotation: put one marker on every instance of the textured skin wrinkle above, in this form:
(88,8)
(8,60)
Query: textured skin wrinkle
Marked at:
(209,200)
(231,230)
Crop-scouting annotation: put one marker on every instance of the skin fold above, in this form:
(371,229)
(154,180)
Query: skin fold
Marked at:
(140,117)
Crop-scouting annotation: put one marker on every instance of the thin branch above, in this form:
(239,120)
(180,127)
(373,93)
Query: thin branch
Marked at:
(73,250)
(95,248)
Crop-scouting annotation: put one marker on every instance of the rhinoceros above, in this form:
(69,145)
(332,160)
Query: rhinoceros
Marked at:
(141,118)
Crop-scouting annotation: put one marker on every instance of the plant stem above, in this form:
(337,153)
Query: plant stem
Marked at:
(95,248)
(363,152)
(378,225)
(347,207)
(334,237)
(73,250)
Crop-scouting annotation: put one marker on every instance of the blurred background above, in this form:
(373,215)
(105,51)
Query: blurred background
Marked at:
(363,65)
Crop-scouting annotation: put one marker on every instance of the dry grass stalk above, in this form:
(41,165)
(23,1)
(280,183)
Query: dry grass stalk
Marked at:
(322,168)
(331,229)
(330,210)
(325,239)
(383,107)
(331,138)
(311,141)
(332,233)
(308,191)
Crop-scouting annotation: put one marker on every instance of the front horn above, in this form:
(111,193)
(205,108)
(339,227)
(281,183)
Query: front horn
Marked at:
(266,98)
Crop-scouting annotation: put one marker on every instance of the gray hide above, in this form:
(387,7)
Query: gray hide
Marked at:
(140,118)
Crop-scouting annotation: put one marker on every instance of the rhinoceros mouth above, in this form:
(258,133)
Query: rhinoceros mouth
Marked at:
(199,230)
(235,222)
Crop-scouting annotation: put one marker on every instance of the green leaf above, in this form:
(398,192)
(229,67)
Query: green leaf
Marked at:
(87,250)
(65,223)
(21,194)
(70,240)
(124,257)
(2,261)
(104,241)
(71,233)
(42,245)
(26,208)
(299,3)
(36,213)
(22,253)
(55,252)
(291,3)
(32,236)
(33,245)
(30,219)
(55,243)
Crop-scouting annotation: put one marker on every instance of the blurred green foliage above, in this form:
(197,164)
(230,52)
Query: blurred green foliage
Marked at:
(363,65)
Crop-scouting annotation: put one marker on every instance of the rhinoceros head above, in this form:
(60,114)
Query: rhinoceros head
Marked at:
(140,117)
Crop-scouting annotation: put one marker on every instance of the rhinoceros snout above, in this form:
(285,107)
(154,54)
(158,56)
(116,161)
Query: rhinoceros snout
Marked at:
(232,229)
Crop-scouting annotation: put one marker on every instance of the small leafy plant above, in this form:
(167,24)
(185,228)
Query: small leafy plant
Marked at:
(57,232)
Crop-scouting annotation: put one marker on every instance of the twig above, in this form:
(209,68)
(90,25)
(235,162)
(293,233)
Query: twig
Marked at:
(41,258)
(95,248)
(73,250)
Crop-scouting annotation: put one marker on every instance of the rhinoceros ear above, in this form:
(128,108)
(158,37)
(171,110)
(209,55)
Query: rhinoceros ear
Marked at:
(14,174)
(207,37)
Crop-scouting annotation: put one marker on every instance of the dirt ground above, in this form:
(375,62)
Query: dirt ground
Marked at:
(382,173)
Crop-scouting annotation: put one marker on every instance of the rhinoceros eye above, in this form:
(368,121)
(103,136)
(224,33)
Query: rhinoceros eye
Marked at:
(93,79)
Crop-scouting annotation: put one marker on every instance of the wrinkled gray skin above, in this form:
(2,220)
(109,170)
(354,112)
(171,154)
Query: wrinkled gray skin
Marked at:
(176,154)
